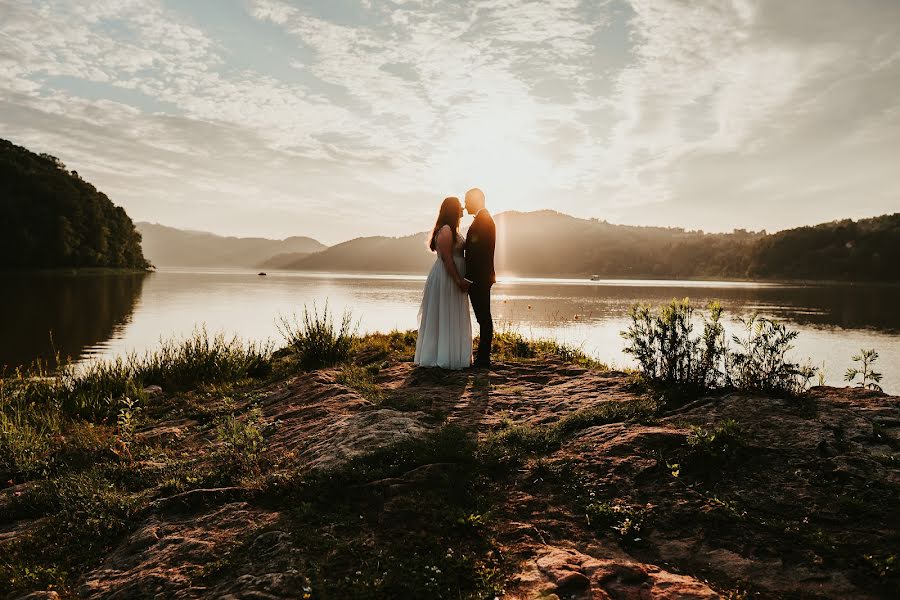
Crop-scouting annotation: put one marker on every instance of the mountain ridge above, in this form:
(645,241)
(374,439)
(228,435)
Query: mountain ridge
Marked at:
(172,246)
(551,243)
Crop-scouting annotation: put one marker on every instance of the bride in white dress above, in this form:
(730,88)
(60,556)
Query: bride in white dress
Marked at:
(445,328)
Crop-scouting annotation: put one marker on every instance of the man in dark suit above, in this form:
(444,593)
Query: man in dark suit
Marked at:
(480,242)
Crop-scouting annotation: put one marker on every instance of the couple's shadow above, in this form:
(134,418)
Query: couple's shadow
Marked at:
(460,397)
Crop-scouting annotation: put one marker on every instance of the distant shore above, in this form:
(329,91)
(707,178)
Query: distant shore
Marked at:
(570,277)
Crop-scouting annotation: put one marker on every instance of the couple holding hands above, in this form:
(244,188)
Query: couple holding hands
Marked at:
(462,272)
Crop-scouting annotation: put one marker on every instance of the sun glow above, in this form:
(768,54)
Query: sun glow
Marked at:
(496,155)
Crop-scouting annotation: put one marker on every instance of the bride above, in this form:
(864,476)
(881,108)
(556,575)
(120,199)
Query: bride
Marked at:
(445,328)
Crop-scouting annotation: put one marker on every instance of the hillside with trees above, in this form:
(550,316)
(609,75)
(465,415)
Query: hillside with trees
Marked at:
(171,247)
(381,254)
(53,218)
(864,250)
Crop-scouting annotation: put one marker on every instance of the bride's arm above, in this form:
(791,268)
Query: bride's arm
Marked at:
(445,252)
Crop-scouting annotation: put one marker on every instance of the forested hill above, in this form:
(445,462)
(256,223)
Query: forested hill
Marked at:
(546,242)
(864,250)
(53,218)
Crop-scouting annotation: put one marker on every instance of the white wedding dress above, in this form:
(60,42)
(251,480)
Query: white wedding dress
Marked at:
(445,328)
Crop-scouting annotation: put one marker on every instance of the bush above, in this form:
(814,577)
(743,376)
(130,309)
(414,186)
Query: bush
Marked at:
(316,339)
(666,352)
(663,346)
(761,362)
(625,521)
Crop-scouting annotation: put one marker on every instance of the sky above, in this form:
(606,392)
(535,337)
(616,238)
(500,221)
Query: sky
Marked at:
(341,118)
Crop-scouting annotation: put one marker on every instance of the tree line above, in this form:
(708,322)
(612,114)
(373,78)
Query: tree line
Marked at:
(548,243)
(53,218)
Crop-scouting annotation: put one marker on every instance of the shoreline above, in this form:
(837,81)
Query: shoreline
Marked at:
(76,271)
(545,475)
(562,278)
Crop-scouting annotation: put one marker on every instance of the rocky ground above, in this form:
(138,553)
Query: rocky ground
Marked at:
(537,479)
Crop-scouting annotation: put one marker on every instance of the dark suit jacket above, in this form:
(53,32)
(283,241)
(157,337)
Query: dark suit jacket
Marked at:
(480,242)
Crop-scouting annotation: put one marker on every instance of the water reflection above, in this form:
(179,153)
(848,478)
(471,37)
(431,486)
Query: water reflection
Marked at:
(103,316)
(844,306)
(43,313)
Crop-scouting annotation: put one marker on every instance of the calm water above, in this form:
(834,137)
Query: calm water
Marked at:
(106,315)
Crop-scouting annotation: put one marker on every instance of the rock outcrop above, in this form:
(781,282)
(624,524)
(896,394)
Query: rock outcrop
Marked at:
(804,501)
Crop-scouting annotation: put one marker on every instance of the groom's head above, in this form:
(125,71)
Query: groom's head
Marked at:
(474,201)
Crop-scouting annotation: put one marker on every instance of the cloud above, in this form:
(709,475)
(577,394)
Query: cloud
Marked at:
(725,103)
(707,114)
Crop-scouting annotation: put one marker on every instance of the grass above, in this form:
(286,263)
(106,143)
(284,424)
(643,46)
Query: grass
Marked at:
(511,345)
(95,389)
(361,379)
(514,441)
(316,339)
(430,541)
(74,435)
(413,519)
(85,515)
(380,347)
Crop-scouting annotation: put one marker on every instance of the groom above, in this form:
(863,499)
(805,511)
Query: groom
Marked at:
(480,242)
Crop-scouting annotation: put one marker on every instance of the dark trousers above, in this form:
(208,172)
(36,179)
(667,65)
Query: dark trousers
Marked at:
(480,295)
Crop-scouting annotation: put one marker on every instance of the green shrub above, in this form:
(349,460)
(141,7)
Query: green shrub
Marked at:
(126,421)
(242,440)
(665,350)
(722,442)
(317,340)
(761,364)
(869,379)
(625,521)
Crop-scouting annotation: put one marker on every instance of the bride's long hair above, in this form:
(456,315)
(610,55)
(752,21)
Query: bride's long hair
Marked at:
(448,215)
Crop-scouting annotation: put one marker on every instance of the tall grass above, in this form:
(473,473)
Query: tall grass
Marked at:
(317,339)
(94,390)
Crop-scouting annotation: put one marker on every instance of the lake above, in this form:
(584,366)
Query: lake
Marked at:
(89,316)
